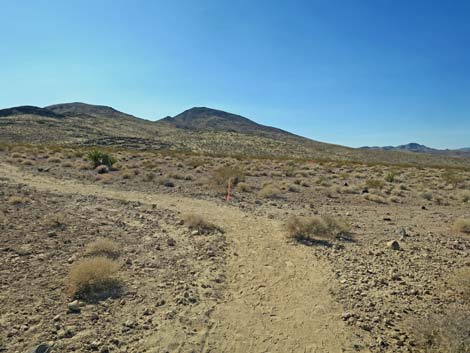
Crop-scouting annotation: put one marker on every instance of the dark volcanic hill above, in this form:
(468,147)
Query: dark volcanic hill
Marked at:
(77,109)
(207,119)
(30,110)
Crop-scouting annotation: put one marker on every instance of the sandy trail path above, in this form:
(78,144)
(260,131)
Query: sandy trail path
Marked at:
(277,296)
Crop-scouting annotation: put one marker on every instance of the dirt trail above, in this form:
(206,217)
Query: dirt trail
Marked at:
(277,298)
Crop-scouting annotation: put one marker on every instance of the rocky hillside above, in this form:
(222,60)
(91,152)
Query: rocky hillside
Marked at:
(197,130)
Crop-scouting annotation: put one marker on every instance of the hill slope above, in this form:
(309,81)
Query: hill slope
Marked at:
(207,119)
(197,130)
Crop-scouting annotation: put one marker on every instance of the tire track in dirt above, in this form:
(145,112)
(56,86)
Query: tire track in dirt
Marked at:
(277,296)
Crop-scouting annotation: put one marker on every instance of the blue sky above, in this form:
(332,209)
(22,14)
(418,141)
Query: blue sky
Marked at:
(351,72)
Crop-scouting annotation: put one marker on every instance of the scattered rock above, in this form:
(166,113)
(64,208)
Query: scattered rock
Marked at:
(394,245)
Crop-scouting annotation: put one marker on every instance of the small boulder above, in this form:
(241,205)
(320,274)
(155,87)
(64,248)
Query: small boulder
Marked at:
(74,307)
(42,348)
(393,244)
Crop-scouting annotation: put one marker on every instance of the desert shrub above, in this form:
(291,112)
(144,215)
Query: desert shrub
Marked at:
(55,222)
(323,181)
(462,225)
(199,223)
(126,175)
(166,182)
(196,162)
(97,158)
(27,162)
(269,191)
(54,160)
(374,184)
(390,177)
(375,198)
(442,333)
(465,196)
(17,200)
(427,195)
(394,199)
(461,282)
(102,169)
(93,278)
(103,247)
(149,176)
(314,228)
(293,188)
(224,176)
(244,187)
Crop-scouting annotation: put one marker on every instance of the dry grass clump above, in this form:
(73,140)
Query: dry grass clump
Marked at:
(197,222)
(17,200)
(269,191)
(54,160)
(93,278)
(375,198)
(316,228)
(443,333)
(103,247)
(374,184)
(462,225)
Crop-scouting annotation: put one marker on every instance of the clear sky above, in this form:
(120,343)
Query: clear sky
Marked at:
(351,72)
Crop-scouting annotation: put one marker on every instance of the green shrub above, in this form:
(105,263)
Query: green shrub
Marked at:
(390,177)
(97,158)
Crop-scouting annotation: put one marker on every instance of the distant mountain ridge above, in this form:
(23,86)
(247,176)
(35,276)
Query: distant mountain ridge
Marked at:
(416,147)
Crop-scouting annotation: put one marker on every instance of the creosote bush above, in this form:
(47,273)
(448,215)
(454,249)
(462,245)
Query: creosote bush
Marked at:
(98,158)
(462,225)
(93,279)
(224,176)
(316,228)
(103,247)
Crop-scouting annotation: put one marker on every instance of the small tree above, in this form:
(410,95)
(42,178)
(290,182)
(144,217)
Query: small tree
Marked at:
(97,158)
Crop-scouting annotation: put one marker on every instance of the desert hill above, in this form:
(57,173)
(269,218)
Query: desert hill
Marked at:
(199,130)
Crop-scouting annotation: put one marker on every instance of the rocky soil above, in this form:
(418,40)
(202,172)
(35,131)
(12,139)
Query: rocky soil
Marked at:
(180,287)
